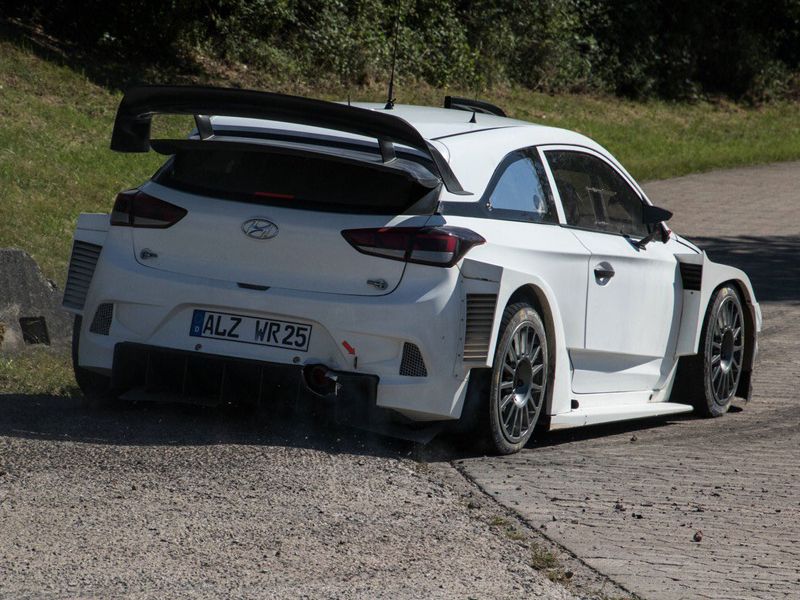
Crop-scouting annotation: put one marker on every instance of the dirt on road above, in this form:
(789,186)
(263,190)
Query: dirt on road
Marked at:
(160,501)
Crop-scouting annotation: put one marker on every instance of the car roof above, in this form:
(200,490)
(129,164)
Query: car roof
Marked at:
(433,123)
(437,123)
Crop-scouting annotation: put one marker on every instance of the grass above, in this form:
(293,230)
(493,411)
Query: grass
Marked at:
(37,371)
(508,528)
(656,140)
(56,120)
(541,558)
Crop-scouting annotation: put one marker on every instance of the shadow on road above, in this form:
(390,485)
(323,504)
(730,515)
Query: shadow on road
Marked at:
(65,419)
(770,261)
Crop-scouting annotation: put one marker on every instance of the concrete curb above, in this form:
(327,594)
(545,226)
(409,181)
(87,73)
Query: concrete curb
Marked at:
(30,305)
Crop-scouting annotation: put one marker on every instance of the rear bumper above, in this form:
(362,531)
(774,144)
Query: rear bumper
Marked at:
(154,309)
(150,372)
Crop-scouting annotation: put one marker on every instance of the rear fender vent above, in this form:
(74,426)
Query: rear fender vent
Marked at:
(480,317)
(412,364)
(102,319)
(81,270)
(692,276)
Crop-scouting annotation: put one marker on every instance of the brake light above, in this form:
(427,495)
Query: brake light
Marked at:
(134,208)
(274,195)
(437,246)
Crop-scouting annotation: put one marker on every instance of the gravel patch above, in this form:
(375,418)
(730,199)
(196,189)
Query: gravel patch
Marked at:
(167,501)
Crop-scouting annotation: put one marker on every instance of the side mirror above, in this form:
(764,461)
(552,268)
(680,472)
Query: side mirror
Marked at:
(653,214)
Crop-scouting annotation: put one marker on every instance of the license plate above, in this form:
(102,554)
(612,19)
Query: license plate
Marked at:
(250,330)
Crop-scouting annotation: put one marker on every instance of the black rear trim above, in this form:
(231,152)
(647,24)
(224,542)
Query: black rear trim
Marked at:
(143,372)
(425,202)
(135,113)
(410,169)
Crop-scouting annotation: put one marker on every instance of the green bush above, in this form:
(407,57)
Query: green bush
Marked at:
(743,49)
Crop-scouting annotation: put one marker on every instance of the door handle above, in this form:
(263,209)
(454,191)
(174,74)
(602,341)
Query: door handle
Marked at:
(603,273)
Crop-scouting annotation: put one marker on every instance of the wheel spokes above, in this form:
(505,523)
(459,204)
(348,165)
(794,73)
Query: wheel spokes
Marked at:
(507,417)
(726,349)
(522,382)
(536,351)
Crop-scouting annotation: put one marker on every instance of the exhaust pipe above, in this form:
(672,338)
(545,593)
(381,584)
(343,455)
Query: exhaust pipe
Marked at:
(321,380)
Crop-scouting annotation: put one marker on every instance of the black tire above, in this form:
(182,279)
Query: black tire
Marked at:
(96,388)
(710,379)
(518,383)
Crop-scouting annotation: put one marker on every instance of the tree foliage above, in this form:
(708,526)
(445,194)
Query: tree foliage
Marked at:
(678,49)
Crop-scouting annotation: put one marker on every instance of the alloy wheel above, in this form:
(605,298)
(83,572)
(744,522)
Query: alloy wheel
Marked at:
(727,348)
(522,383)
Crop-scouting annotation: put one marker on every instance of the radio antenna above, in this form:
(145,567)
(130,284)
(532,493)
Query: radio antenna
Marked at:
(390,96)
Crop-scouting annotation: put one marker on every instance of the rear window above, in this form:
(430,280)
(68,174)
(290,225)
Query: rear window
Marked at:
(295,181)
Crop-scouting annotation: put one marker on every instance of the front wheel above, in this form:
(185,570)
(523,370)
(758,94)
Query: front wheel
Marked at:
(519,379)
(712,377)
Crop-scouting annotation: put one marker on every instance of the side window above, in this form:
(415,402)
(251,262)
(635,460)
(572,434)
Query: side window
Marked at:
(594,195)
(520,190)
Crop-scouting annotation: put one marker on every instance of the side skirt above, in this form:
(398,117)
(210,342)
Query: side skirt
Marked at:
(613,410)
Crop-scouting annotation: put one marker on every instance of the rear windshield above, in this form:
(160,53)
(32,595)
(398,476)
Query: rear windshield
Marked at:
(296,181)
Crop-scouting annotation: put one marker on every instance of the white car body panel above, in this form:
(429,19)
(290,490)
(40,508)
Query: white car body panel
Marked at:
(614,347)
(201,244)
(632,321)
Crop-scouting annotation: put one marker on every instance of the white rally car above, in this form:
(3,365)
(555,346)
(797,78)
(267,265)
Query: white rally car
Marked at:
(412,266)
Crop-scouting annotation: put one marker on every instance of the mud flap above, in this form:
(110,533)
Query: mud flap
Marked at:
(355,406)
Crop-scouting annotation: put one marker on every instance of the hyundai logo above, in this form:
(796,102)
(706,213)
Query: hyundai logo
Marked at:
(259,229)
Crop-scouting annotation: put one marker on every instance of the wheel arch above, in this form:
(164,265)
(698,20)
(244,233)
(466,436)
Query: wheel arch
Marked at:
(542,299)
(510,285)
(744,390)
(752,318)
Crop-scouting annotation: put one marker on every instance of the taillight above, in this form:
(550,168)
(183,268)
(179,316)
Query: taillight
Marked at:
(134,208)
(438,246)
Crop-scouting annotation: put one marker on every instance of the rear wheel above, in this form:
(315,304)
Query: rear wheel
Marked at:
(96,388)
(519,379)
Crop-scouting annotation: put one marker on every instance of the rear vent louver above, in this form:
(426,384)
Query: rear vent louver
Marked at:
(412,364)
(480,316)
(692,276)
(102,319)
(81,269)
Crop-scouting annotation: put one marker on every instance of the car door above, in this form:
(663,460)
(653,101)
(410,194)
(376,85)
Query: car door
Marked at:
(633,296)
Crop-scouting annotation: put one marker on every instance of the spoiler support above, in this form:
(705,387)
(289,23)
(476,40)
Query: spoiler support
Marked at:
(135,113)
(474,106)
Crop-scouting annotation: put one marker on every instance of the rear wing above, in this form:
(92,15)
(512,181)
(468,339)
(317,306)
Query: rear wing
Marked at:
(135,113)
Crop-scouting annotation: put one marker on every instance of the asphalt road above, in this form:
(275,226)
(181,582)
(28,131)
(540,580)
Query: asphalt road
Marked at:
(154,501)
(629,499)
